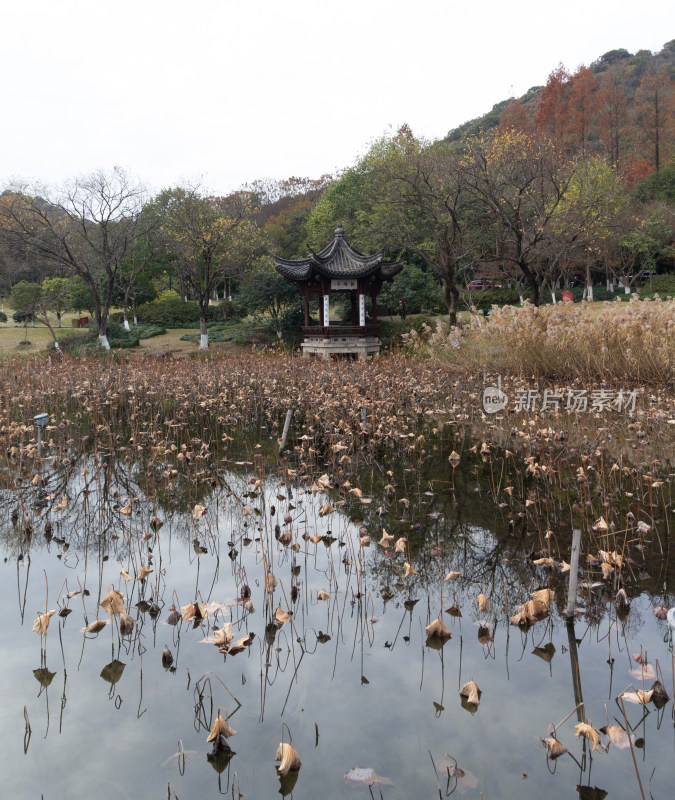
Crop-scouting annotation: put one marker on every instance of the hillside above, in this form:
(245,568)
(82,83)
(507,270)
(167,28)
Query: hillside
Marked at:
(619,105)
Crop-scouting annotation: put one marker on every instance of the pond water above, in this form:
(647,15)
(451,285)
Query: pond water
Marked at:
(352,680)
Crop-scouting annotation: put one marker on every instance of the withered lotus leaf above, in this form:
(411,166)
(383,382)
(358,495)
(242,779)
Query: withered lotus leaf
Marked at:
(143,573)
(281,616)
(471,691)
(639,697)
(399,547)
(529,613)
(553,747)
(191,611)
(323,595)
(453,576)
(113,603)
(408,570)
(42,623)
(198,512)
(586,730)
(545,596)
(288,757)
(125,575)
(126,623)
(96,626)
(483,604)
(386,538)
(617,736)
(270,583)
(220,727)
(437,629)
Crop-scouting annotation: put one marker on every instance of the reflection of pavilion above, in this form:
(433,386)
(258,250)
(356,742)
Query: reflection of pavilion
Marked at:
(340,268)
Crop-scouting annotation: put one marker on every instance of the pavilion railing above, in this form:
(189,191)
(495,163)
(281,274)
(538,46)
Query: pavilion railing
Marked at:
(338,331)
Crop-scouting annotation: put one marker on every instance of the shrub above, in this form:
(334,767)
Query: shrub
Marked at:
(22,316)
(661,285)
(3,316)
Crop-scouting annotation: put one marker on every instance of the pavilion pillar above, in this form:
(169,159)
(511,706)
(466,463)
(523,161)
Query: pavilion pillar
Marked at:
(306,305)
(373,295)
(362,310)
(354,309)
(326,310)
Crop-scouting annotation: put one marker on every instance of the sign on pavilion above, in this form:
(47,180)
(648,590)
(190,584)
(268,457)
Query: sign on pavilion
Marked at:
(340,268)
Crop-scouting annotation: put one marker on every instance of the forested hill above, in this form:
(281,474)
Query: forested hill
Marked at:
(606,103)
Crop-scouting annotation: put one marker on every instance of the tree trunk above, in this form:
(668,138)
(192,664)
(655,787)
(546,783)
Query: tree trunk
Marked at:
(125,317)
(58,318)
(203,330)
(451,297)
(532,280)
(589,284)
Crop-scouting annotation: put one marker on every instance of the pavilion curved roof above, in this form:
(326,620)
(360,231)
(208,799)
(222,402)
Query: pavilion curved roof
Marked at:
(338,260)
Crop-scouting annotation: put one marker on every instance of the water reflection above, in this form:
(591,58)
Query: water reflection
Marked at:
(328,633)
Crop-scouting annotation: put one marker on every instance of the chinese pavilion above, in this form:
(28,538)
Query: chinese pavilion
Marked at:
(340,268)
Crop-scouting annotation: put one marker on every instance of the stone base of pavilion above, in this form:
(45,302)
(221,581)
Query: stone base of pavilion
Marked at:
(356,347)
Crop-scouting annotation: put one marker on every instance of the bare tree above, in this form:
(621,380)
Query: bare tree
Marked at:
(86,228)
(210,238)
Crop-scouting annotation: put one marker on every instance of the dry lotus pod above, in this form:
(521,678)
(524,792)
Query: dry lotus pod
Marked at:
(220,727)
(316,538)
(167,658)
(289,758)
(553,747)
(453,576)
(471,691)
(453,458)
(113,603)
(589,732)
(483,604)
(42,623)
(437,629)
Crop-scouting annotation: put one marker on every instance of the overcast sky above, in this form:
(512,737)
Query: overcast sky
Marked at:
(233,90)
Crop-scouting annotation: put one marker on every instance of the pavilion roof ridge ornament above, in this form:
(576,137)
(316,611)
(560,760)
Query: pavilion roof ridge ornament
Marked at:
(337,260)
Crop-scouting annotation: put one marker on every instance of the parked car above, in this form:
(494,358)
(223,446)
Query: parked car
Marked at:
(483,283)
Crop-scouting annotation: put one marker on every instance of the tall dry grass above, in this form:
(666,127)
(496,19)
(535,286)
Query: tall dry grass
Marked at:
(611,341)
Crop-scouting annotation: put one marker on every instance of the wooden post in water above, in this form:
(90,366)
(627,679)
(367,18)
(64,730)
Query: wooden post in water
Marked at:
(574,574)
(287,425)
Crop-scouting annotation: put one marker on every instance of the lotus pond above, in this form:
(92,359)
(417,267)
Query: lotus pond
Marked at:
(386,595)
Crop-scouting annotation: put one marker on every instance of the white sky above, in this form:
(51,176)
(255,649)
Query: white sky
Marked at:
(233,90)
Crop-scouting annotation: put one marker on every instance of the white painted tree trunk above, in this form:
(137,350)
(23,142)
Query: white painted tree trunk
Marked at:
(127,327)
(553,296)
(522,300)
(103,339)
(135,320)
(626,289)
(204,341)
(590,293)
